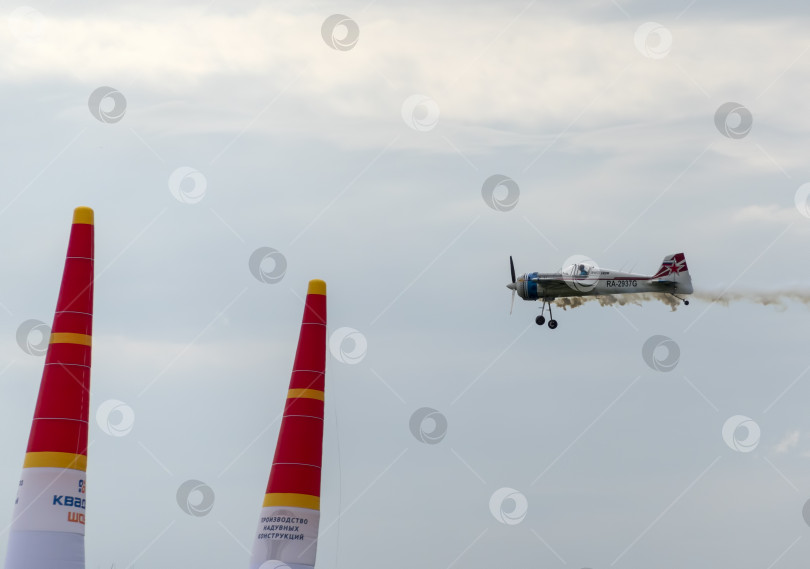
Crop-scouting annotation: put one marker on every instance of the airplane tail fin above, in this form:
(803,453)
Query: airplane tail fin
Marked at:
(673,269)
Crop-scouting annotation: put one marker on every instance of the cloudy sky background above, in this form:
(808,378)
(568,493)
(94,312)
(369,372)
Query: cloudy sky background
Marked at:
(607,125)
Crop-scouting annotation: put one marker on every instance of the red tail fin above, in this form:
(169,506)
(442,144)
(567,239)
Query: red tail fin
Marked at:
(673,269)
(672,265)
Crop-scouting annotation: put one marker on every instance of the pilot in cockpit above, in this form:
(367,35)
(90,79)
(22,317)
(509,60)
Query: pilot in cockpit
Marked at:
(583,271)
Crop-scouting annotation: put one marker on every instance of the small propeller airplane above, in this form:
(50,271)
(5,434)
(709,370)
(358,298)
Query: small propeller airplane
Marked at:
(586,279)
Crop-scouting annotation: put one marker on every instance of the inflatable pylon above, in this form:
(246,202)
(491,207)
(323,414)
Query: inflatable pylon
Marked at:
(287,535)
(47,529)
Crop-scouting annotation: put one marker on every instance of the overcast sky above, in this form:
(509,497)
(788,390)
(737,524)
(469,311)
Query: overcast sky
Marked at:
(205,135)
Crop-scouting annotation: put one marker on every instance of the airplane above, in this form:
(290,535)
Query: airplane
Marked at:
(584,278)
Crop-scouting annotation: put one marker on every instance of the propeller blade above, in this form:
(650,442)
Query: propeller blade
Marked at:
(512,266)
(513,302)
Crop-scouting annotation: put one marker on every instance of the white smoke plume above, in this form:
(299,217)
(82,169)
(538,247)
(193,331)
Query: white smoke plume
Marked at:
(637,298)
(778,298)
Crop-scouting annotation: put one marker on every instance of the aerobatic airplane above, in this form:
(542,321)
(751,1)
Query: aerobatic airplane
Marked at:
(586,279)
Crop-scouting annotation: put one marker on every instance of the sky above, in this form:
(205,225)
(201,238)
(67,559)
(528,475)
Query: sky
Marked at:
(234,151)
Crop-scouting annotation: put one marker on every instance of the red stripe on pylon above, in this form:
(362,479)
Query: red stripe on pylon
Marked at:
(77,322)
(304,406)
(67,393)
(58,435)
(68,354)
(307,379)
(62,410)
(295,479)
(299,451)
(299,442)
(311,352)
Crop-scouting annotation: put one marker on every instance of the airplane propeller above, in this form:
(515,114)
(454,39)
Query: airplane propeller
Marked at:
(513,286)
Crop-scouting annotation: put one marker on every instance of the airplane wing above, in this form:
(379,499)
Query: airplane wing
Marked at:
(554,287)
(553,284)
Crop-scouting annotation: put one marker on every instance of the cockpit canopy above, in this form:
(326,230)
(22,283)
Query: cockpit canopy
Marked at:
(578,270)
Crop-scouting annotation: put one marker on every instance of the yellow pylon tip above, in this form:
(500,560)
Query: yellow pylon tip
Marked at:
(316,286)
(83,214)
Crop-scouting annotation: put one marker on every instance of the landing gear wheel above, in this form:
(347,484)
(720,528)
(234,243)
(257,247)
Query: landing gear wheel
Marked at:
(552,324)
(686,302)
(540,320)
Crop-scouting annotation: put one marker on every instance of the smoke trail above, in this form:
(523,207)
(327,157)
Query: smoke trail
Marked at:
(777,298)
(637,298)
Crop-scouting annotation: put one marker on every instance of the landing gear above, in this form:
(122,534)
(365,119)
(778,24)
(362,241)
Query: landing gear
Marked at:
(542,320)
(686,302)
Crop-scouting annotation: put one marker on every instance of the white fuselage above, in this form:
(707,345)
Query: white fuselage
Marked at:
(596,281)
